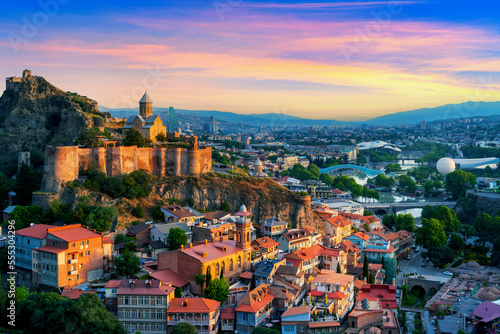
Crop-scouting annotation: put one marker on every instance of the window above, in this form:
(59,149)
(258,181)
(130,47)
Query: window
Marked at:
(126,300)
(81,254)
(216,269)
(239,262)
(302,329)
(81,265)
(245,316)
(74,244)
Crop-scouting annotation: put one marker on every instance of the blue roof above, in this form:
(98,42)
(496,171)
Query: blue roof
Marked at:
(371,173)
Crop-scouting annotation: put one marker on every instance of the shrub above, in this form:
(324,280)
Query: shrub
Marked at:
(137,212)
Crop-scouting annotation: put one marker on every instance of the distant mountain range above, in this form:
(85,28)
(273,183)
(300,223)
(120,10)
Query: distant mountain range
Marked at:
(449,111)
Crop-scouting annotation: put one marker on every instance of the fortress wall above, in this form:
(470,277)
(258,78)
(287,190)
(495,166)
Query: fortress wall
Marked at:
(129,159)
(66,163)
(159,162)
(194,162)
(171,163)
(63,164)
(205,160)
(145,157)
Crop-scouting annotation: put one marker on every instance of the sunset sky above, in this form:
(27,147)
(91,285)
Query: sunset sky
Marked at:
(345,60)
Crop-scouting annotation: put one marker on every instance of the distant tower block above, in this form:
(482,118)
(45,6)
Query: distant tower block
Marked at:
(146,106)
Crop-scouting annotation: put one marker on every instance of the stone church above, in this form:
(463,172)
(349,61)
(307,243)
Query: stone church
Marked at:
(147,124)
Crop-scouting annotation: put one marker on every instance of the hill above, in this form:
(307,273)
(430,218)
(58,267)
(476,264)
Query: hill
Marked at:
(449,111)
(34,113)
(268,119)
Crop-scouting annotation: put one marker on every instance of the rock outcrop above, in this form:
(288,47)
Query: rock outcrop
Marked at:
(263,197)
(34,113)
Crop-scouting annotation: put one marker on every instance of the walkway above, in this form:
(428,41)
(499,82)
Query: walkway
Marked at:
(371,173)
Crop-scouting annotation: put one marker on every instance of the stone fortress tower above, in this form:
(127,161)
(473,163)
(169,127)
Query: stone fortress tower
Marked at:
(14,83)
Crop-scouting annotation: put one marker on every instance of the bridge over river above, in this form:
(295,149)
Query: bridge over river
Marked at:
(393,208)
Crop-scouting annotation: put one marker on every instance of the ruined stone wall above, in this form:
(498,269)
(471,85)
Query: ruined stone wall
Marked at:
(63,163)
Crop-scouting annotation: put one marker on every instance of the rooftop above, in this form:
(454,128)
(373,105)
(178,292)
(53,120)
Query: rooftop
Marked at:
(193,305)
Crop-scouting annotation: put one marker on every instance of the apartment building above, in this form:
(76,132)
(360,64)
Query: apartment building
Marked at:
(202,313)
(142,305)
(64,256)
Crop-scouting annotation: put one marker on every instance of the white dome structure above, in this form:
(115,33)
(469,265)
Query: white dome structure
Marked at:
(445,166)
(243,208)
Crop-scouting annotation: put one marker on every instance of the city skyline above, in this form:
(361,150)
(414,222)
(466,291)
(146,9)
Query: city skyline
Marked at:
(349,60)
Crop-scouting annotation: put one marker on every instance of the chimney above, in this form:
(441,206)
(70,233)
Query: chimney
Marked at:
(185,302)
(206,242)
(182,247)
(148,284)
(190,245)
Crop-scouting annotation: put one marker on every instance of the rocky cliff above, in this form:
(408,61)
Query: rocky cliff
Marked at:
(34,113)
(263,197)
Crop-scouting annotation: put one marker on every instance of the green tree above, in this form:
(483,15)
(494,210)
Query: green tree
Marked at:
(441,256)
(113,187)
(225,207)
(448,218)
(184,328)
(217,289)
(339,270)
(93,317)
(370,279)
(407,184)
(431,234)
(137,212)
(26,215)
(89,137)
(390,265)
(157,213)
(27,181)
(200,280)
(456,242)
(428,211)
(4,189)
(100,217)
(458,182)
(208,276)
(178,292)
(127,264)
(176,238)
(161,137)
(405,222)
(314,170)
(389,221)
(365,267)
(135,138)
(265,330)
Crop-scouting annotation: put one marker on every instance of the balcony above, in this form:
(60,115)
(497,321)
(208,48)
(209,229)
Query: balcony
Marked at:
(72,261)
(73,272)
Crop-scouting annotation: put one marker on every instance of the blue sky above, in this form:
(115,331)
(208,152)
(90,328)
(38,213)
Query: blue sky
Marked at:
(334,59)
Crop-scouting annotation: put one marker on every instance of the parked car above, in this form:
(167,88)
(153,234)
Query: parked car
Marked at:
(447,273)
(408,257)
(423,264)
(397,294)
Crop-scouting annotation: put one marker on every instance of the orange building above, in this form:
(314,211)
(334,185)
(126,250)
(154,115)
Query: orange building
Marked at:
(202,313)
(70,256)
(232,257)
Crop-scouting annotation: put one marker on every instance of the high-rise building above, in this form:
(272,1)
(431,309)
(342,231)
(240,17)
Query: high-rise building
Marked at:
(174,125)
(423,125)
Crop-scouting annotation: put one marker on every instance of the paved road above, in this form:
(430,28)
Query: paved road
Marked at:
(414,265)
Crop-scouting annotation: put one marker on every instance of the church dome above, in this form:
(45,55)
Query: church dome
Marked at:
(243,208)
(258,162)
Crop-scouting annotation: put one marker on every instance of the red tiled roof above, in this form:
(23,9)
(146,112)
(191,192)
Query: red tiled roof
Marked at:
(385,293)
(335,295)
(255,300)
(339,221)
(246,274)
(178,211)
(51,249)
(312,252)
(297,234)
(113,284)
(265,242)
(73,233)
(38,231)
(362,236)
(193,305)
(316,293)
(140,288)
(297,310)
(107,240)
(213,250)
(389,250)
(74,293)
(321,324)
(168,275)
(228,313)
